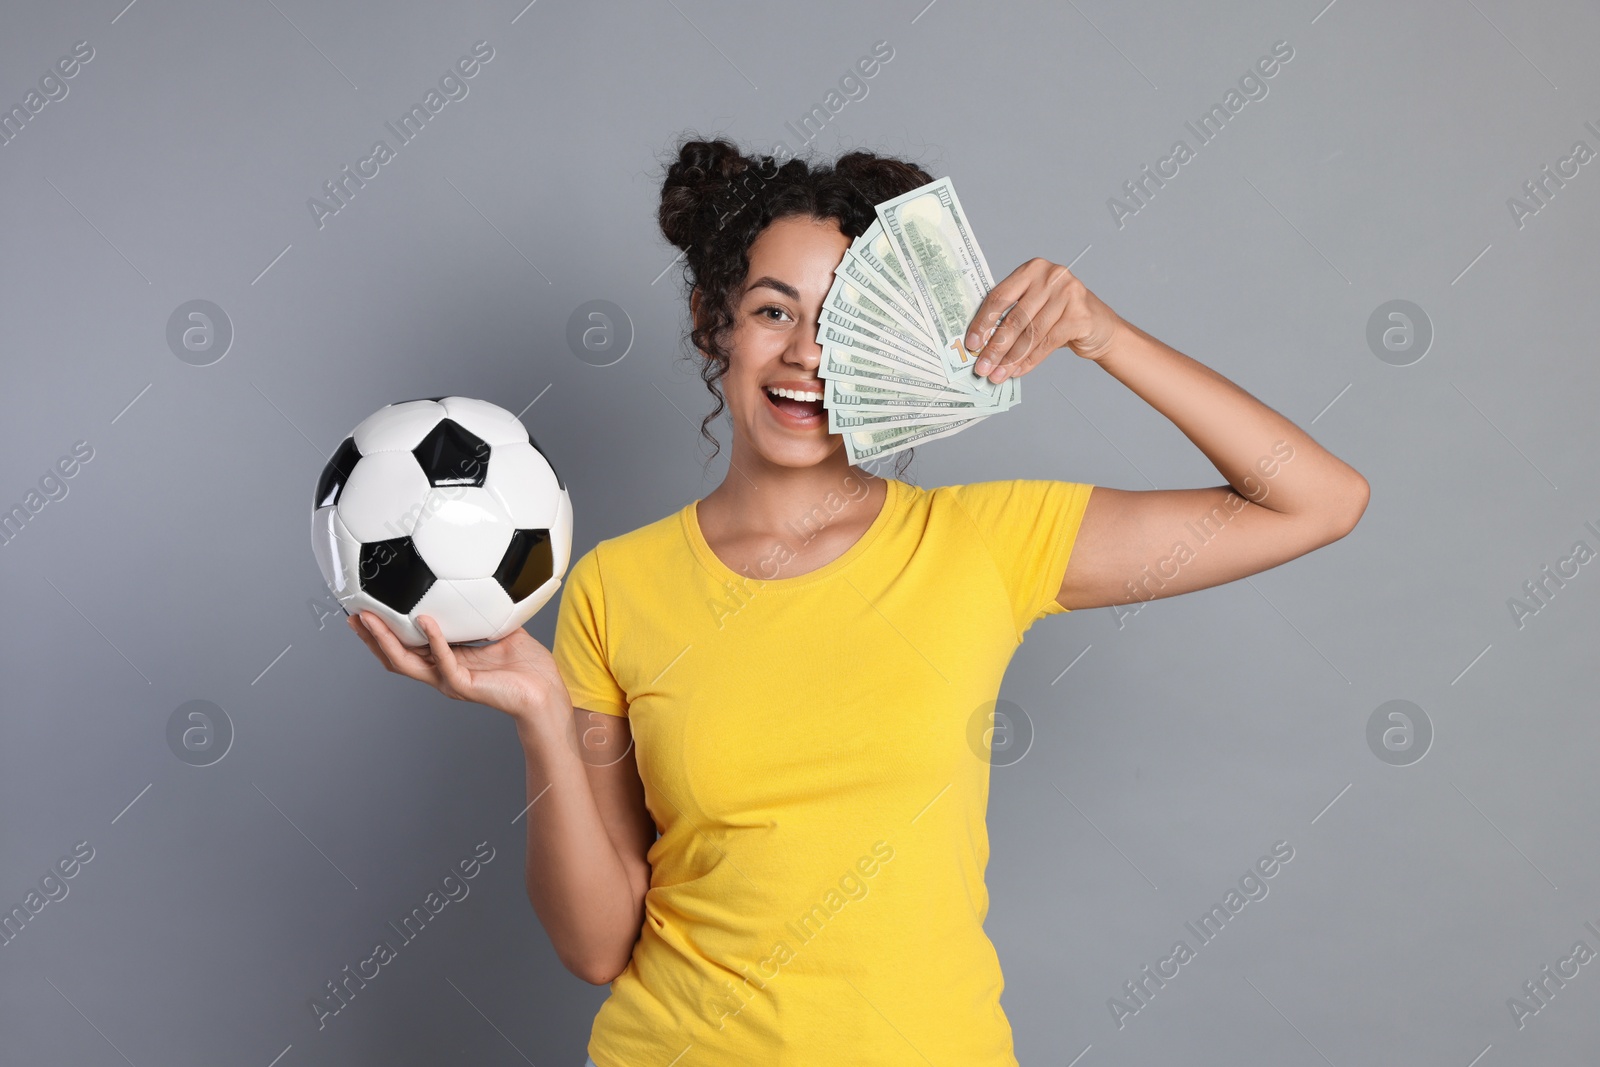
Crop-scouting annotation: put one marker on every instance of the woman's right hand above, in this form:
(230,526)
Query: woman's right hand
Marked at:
(515,674)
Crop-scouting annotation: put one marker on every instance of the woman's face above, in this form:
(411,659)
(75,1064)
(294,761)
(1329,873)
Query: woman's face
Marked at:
(772,344)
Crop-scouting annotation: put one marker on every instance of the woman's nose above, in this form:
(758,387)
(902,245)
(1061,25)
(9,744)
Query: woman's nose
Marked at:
(805,351)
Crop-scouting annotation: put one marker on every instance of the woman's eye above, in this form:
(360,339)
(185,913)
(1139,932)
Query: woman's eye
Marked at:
(772,307)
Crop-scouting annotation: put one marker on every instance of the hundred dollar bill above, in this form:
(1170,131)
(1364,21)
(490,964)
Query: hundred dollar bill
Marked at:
(850,362)
(864,277)
(907,350)
(1010,390)
(846,298)
(858,342)
(829,334)
(843,362)
(873,444)
(893,371)
(867,398)
(855,355)
(858,394)
(877,250)
(948,272)
(851,410)
(848,423)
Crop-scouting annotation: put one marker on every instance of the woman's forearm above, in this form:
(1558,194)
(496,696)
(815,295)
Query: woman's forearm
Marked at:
(576,881)
(1234,429)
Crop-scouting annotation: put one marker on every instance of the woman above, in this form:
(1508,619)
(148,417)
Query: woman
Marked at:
(789,679)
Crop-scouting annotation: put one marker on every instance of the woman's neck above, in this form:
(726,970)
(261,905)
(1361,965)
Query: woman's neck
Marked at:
(763,500)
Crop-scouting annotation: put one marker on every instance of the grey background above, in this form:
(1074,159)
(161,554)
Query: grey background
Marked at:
(1181,743)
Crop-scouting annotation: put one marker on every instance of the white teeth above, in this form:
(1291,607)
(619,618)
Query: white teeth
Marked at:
(793,394)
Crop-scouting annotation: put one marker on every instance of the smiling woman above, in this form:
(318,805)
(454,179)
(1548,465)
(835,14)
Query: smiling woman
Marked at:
(739,941)
(799,226)
(697,780)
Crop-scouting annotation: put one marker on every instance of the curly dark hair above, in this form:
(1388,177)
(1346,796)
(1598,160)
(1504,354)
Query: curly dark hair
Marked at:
(715,201)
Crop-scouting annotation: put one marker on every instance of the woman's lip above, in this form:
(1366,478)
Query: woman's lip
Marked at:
(799,422)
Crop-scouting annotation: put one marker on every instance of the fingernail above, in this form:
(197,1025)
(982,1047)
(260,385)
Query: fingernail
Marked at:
(974,342)
(984,365)
(1001,375)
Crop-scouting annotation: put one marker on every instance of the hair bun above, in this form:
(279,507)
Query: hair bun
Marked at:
(878,177)
(690,191)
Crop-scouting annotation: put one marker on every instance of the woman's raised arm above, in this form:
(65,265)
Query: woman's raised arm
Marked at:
(1285,495)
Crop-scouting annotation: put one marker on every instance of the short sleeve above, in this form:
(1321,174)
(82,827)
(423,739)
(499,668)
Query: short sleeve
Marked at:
(580,647)
(1029,527)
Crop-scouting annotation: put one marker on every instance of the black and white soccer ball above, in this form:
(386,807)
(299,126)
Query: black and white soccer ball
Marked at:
(442,507)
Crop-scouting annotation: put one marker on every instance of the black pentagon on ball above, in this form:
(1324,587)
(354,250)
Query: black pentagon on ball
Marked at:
(394,574)
(413,401)
(559,483)
(453,455)
(336,473)
(527,564)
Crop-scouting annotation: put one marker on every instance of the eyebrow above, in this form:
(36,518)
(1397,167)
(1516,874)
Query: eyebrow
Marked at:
(772,283)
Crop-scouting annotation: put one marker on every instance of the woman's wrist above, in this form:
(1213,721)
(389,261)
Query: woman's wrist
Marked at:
(1124,336)
(540,720)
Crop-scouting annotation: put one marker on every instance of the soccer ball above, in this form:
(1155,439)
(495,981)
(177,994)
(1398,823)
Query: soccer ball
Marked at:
(442,507)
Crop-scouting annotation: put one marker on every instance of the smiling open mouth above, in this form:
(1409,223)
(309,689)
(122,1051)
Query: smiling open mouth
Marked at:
(790,403)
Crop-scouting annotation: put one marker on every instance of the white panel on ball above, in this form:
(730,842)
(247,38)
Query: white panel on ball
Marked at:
(491,422)
(524,484)
(561,534)
(407,631)
(530,606)
(383,498)
(347,557)
(463,532)
(398,427)
(325,544)
(467,610)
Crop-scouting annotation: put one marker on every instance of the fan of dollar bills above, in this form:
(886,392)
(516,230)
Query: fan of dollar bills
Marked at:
(896,370)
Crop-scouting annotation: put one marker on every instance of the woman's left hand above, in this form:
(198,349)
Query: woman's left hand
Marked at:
(1053,308)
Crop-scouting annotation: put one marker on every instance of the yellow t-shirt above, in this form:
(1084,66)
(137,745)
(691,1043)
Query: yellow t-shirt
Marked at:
(815,755)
